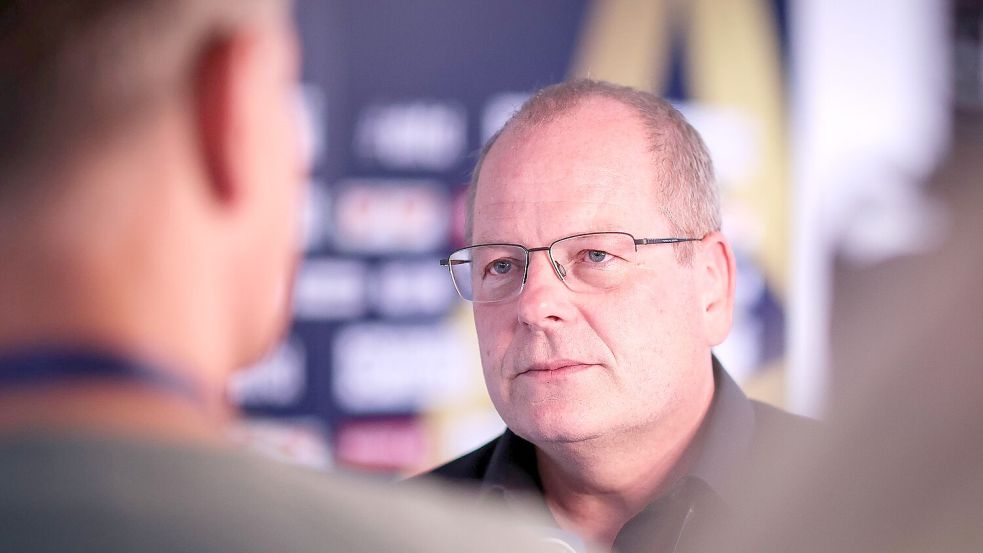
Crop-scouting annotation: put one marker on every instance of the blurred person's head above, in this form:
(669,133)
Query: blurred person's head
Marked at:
(150,177)
(615,338)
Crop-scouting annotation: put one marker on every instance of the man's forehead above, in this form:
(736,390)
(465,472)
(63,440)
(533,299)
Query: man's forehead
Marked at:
(588,170)
(586,157)
(580,187)
(572,181)
(586,208)
(550,219)
(558,156)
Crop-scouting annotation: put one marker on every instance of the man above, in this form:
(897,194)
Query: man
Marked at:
(601,281)
(150,182)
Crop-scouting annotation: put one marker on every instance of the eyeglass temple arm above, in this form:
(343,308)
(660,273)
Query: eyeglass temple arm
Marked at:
(449,262)
(646,241)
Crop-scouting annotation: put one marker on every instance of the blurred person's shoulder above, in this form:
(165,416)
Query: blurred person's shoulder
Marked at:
(779,433)
(769,419)
(70,492)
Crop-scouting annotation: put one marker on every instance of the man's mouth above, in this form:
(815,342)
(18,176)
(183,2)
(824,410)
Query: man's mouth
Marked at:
(554,368)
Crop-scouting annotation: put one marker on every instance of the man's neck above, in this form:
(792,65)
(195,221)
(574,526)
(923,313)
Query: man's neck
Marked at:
(593,488)
(130,267)
(113,409)
(70,309)
(114,299)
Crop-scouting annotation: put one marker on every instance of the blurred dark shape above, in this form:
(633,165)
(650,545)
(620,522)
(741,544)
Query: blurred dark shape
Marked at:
(901,465)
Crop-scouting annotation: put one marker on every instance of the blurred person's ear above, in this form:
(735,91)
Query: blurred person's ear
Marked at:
(246,104)
(716,270)
(239,80)
(220,84)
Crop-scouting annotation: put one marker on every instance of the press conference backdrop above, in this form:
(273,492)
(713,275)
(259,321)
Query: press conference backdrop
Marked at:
(380,370)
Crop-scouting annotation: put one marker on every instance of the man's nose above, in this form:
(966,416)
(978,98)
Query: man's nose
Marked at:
(545,299)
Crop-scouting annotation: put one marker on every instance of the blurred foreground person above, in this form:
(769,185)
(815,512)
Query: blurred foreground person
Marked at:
(900,468)
(150,183)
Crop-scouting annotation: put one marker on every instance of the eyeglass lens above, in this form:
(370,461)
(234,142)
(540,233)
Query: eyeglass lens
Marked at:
(586,263)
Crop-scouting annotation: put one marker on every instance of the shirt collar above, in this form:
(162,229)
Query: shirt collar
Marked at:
(723,441)
(512,474)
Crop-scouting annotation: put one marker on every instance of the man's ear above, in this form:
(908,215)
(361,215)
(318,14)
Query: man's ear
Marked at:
(717,271)
(221,96)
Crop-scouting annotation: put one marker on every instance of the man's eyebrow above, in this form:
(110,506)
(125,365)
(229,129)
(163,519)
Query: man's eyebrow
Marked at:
(494,241)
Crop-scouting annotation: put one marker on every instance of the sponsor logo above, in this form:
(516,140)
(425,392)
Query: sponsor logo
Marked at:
(382,444)
(390,368)
(330,289)
(391,216)
(412,288)
(427,135)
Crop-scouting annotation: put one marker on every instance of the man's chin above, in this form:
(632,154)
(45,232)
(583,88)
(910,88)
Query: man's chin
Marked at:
(555,429)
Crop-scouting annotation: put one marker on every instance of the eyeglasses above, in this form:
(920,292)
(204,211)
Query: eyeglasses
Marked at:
(590,262)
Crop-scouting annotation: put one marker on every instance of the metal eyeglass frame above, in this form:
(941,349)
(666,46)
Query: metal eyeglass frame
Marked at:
(557,268)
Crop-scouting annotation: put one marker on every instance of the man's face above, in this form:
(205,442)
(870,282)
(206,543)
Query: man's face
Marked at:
(563,366)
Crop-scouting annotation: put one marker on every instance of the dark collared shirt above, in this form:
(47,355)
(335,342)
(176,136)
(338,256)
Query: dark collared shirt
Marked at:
(506,470)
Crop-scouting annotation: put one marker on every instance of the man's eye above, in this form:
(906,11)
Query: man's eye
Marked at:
(596,256)
(500,267)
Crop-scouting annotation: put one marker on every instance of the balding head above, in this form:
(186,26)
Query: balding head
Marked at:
(685,179)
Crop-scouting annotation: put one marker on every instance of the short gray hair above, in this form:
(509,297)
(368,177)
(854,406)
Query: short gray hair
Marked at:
(686,179)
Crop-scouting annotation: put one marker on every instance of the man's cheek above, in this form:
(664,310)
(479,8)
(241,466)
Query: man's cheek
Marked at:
(495,352)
